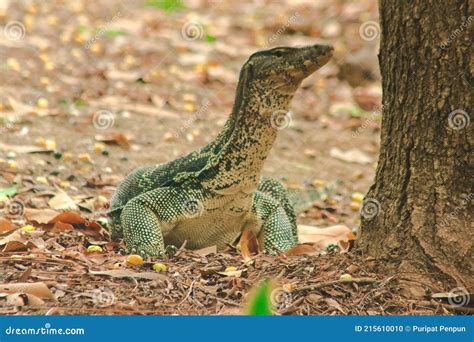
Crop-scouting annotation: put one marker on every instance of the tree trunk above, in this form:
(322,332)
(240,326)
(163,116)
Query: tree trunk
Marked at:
(417,217)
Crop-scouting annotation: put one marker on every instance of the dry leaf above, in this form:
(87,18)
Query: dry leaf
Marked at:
(114,138)
(60,227)
(14,246)
(302,249)
(17,235)
(41,216)
(38,289)
(235,274)
(206,250)
(323,237)
(352,156)
(248,245)
(22,148)
(334,304)
(5,225)
(69,217)
(23,299)
(62,201)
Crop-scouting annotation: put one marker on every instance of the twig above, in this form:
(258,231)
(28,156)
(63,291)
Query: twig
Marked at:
(336,282)
(189,292)
(181,249)
(435,304)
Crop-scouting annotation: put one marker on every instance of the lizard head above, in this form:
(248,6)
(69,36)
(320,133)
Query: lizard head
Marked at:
(284,68)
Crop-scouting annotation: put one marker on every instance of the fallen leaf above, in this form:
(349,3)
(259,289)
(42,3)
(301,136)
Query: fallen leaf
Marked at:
(353,155)
(101,181)
(334,304)
(248,245)
(235,274)
(301,249)
(114,138)
(5,225)
(61,227)
(62,201)
(38,289)
(116,103)
(206,250)
(17,235)
(23,148)
(21,240)
(23,299)
(323,237)
(14,246)
(68,217)
(10,191)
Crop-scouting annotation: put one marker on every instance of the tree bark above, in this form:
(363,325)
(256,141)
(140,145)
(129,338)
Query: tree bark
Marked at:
(417,216)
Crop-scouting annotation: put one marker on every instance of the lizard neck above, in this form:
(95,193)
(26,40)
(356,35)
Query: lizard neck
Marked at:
(249,132)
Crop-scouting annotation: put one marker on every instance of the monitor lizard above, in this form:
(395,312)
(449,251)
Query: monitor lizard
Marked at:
(211,195)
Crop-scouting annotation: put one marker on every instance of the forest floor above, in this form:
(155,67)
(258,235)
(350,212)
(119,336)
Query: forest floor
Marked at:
(92,90)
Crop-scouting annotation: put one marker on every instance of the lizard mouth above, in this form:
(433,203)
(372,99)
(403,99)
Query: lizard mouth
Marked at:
(315,57)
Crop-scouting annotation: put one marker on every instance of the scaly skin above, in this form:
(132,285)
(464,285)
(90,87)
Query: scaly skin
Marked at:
(211,195)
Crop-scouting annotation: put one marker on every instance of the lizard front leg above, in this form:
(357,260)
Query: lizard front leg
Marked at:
(144,216)
(278,229)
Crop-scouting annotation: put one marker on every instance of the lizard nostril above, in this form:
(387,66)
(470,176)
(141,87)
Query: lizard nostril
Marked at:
(323,49)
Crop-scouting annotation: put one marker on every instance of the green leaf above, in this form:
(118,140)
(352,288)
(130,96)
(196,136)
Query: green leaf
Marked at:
(10,191)
(79,103)
(84,29)
(260,303)
(114,33)
(63,102)
(209,38)
(166,5)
